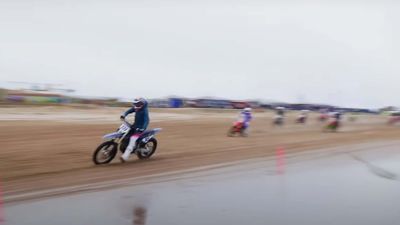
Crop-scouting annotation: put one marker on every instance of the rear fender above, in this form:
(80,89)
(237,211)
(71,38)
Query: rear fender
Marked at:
(149,135)
(112,136)
(156,130)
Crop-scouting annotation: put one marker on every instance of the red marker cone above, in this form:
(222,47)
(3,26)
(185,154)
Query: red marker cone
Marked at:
(1,206)
(280,160)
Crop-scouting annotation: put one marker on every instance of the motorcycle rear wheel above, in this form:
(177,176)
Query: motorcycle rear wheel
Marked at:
(146,150)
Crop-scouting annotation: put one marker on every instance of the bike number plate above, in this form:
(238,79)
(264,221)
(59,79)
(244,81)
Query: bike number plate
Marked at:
(123,128)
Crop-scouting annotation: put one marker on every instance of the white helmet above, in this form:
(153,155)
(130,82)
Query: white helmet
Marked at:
(247,109)
(138,103)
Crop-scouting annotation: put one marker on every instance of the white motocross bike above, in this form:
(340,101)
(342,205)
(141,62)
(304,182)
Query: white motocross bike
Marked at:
(146,144)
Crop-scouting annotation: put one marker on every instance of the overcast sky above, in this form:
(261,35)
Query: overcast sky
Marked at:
(345,53)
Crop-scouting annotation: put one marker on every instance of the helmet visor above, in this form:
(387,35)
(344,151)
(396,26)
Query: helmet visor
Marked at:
(137,104)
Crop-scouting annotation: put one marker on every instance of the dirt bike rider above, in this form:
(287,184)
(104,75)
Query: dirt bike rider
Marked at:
(245,117)
(337,116)
(140,108)
(394,117)
(280,114)
(302,117)
(280,111)
(324,115)
(335,119)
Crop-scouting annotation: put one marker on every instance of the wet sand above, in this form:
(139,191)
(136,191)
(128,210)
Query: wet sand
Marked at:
(348,185)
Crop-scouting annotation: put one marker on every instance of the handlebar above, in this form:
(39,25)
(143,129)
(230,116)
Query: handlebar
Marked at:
(126,122)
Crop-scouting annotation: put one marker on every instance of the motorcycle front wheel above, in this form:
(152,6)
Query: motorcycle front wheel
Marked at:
(231,132)
(105,153)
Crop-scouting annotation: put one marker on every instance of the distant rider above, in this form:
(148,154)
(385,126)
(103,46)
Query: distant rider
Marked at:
(140,108)
(245,117)
(302,117)
(335,119)
(337,116)
(394,117)
(280,111)
(279,116)
(324,115)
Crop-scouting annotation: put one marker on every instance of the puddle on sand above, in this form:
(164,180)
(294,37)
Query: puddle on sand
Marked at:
(333,190)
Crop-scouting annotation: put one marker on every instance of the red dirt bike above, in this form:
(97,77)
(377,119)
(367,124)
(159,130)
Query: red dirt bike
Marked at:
(237,128)
(323,117)
(301,119)
(393,120)
(332,126)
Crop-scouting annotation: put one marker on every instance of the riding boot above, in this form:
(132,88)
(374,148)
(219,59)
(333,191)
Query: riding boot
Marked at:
(129,149)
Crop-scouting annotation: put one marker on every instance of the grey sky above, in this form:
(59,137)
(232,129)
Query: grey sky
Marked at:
(344,53)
